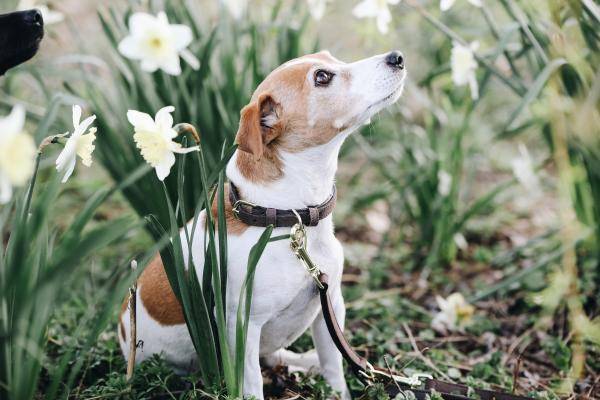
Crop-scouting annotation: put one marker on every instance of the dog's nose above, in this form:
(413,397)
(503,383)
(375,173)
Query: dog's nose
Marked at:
(395,59)
(34,17)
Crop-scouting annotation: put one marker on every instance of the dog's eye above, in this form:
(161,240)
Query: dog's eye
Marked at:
(322,77)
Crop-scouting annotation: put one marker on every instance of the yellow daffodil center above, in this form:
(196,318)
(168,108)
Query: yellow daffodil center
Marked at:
(85,147)
(152,145)
(17,155)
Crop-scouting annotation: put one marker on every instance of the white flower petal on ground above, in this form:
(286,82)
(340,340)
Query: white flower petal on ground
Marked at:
(158,44)
(445,5)
(464,65)
(317,8)
(17,153)
(154,138)
(78,144)
(455,313)
(50,16)
(522,168)
(376,9)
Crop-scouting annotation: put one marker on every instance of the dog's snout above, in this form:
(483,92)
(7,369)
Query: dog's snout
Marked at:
(34,17)
(395,59)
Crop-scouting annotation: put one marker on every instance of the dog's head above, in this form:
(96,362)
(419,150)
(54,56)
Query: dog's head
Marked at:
(20,35)
(311,100)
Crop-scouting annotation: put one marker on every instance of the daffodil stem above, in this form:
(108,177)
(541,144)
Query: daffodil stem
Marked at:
(184,128)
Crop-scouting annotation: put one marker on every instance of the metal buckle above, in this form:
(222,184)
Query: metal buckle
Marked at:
(298,241)
(236,207)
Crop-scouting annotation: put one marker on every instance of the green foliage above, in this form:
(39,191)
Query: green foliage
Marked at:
(210,98)
(35,264)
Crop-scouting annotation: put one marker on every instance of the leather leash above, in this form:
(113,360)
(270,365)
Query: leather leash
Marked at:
(422,385)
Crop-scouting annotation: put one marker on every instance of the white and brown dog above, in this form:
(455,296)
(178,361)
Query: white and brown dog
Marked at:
(289,138)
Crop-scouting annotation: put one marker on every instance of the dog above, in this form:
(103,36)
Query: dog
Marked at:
(21,33)
(288,140)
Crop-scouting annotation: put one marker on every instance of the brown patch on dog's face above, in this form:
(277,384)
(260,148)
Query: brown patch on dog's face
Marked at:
(307,102)
(157,296)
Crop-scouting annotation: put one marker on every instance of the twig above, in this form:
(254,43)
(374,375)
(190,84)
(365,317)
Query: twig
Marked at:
(132,325)
(426,360)
(391,373)
(516,374)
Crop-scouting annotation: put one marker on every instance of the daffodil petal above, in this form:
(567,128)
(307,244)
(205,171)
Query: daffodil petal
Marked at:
(76,115)
(14,123)
(366,8)
(185,150)
(5,189)
(66,155)
(182,36)
(171,65)
(81,128)
(383,19)
(190,59)
(445,5)
(164,119)
(149,65)
(140,22)
(164,167)
(141,121)
(130,47)
(69,170)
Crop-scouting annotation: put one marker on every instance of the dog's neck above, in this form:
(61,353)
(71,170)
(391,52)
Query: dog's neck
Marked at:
(306,177)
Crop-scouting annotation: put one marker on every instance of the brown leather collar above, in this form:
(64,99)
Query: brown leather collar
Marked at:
(254,215)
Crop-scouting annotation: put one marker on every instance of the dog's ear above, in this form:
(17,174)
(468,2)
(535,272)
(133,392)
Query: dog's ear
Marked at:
(259,125)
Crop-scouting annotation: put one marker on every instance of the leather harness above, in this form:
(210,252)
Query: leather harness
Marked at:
(255,215)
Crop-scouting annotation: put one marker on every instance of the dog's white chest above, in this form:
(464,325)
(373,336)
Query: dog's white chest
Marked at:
(285,298)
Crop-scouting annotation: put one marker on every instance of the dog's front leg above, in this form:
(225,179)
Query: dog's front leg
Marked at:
(253,382)
(329,356)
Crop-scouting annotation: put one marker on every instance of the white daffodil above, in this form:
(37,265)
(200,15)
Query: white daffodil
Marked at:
(444,182)
(376,9)
(445,5)
(455,313)
(158,44)
(17,153)
(236,8)
(50,16)
(77,144)
(523,170)
(154,138)
(464,65)
(317,8)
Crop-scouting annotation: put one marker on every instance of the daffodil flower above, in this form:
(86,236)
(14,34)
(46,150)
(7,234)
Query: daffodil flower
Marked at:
(158,44)
(455,313)
(17,153)
(445,5)
(464,65)
(317,8)
(50,16)
(77,144)
(376,9)
(236,8)
(154,138)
